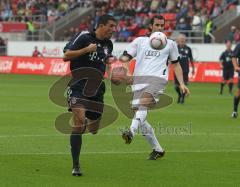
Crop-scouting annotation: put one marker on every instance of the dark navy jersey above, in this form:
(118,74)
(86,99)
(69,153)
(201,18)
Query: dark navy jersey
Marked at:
(94,60)
(226,59)
(236,52)
(185,53)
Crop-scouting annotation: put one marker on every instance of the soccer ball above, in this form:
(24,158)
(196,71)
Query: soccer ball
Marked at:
(158,40)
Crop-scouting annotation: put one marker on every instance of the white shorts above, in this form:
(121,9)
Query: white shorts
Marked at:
(153,86)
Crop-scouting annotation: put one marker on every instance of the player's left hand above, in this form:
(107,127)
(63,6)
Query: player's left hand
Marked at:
(237,69)
(184,89)
(129,79)
(110,59)
(193,72)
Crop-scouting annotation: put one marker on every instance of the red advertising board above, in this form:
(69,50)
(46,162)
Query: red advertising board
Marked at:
(12,27)
(31,65)
(204,71)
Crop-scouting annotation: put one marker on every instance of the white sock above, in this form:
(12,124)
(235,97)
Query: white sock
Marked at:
(149,134)
(141,114)
(139,118)
(134,126)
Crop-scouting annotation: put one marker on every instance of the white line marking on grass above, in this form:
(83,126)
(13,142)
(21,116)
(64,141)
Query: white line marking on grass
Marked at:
(115,134)
(123,152)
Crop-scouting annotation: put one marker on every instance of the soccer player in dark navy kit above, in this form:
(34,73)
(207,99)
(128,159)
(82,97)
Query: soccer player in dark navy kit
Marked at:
(236,61)
(88,54)
(185,58)
(227,67)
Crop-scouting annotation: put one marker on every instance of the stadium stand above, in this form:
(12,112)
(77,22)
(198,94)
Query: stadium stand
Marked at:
(188,16)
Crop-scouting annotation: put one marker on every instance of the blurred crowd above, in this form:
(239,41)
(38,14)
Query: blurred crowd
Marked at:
(234,34)
(133,15)
(49,9)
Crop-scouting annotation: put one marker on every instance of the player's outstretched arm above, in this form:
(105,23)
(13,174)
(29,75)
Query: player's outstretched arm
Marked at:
(193,67)
(125,59)
(235,64)
(179,75)
(71,54)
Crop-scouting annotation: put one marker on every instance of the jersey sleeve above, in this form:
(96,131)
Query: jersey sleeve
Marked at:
(236,52)
(190,54)
(221,57)
(174,54)
(132,47)
(110,47)
(79,41)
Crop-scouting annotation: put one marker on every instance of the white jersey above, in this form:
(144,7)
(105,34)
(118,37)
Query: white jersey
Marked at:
(150,62)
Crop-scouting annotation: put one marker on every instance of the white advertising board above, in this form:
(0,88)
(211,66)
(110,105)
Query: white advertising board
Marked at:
(201,52)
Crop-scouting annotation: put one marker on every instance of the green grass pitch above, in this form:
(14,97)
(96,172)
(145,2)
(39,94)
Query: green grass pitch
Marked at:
(33,153)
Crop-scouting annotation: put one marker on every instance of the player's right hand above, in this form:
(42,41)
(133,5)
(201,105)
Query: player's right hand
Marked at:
(237,69)
(92,48)
(184,89)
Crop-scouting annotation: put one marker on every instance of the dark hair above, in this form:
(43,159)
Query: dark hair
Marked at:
(226,41)
(104,19)
(156,17)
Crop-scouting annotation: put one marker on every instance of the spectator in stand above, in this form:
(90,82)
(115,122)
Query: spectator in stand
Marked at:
(31,29)
(230,35)
(5,11)
(237,35)
(36,52)
(197,22)
(62,7)
(71,31)
(52,14)
(217,10)
(76,30)
(208,30)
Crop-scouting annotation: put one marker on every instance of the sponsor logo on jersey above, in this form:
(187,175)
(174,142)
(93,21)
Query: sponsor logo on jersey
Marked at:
(152,53)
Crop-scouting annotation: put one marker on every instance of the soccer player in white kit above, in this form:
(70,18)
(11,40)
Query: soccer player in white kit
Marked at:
(149,80)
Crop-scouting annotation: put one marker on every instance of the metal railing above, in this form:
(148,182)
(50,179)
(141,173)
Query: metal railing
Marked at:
(39,21)
(192,36)
(59,24)
(225,18)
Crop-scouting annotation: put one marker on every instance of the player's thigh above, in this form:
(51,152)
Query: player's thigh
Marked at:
(147,100)
(78,119)
(231,75)
(225,75)
(93,125)
(176,81)
(94,116)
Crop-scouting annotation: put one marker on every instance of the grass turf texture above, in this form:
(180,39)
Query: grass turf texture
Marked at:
(33,153)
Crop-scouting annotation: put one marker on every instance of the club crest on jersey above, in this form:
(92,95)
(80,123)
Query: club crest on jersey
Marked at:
(105,49)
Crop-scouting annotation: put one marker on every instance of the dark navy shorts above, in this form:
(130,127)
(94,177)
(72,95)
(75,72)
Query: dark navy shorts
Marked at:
(228,74)
(93,103)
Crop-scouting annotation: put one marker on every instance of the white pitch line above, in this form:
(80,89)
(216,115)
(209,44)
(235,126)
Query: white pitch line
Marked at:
(123,152)
(115,134)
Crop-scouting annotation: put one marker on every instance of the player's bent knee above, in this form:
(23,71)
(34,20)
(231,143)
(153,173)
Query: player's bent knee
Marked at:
(147,102)
(79,125)
(79,130)
(93,126)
